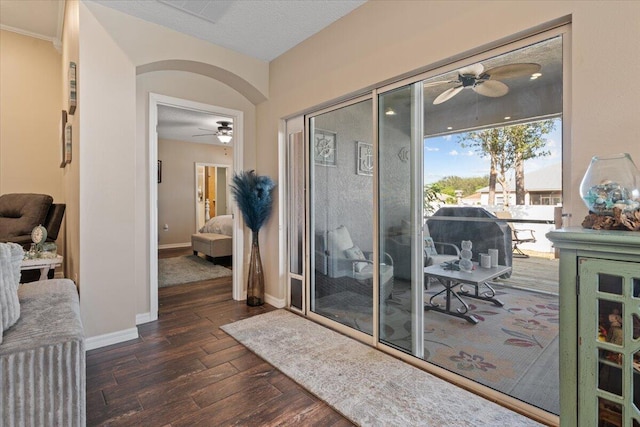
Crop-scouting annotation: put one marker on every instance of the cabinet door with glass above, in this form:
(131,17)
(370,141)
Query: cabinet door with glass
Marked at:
(609,342)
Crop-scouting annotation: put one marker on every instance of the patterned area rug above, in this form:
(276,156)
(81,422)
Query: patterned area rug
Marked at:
(187,269)
(513,349)
(367,386)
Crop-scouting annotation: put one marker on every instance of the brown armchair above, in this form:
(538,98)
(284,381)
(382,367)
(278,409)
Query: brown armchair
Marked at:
(20,212)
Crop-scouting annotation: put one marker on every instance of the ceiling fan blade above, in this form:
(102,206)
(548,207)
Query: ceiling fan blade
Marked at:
(447,95)
(512,70)
(204,134)
(474,70)
(441,82)
(491,88)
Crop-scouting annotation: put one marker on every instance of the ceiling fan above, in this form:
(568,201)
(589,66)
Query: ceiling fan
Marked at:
(224,132)
(484,82)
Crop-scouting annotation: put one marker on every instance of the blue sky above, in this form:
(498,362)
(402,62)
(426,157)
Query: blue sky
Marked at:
(444,156)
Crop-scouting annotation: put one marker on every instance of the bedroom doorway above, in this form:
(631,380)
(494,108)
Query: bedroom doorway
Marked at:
(158,176)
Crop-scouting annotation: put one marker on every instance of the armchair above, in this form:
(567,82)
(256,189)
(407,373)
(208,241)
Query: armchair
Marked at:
(337,256)
(20,212)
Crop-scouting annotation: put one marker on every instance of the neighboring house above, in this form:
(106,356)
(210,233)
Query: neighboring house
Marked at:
(542,187)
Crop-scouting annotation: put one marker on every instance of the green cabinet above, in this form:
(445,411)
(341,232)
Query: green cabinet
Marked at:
(599,327)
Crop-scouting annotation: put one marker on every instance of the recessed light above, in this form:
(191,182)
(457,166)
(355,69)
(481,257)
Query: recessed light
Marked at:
(507,117)
(449,128)
(389,112)
(535,76)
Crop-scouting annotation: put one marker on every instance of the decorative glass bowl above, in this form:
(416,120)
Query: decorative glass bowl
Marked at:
(612,181)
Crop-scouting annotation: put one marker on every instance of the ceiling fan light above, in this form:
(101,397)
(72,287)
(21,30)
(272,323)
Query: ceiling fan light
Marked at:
(389,112)
(225,139)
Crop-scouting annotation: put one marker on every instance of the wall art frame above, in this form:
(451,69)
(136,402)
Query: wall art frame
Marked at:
(324,147)
(68,143)
(364,158)
(72,88)
(159,171)
(63,128)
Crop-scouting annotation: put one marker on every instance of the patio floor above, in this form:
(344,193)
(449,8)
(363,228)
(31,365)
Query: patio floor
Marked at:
(539,272)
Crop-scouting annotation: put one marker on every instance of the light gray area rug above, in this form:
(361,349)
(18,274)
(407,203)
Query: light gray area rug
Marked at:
(367,386)
(187,269)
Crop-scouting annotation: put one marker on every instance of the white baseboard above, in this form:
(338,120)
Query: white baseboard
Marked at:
(276,302)
(175,245)
(145,318)
(100,341)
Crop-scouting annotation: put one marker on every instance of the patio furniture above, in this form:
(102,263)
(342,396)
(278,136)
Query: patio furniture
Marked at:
(518,235)
(337,256)
(479,277)
(458,223)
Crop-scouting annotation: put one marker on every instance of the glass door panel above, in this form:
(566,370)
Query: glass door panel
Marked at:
(341,170)
(400,218)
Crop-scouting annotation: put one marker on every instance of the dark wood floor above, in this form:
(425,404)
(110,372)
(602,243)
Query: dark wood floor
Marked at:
(184,371)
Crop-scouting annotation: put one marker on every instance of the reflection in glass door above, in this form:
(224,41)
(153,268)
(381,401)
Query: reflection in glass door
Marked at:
(341,170)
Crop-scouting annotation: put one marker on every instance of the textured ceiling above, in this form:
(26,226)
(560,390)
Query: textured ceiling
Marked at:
(181,125)
(263,29)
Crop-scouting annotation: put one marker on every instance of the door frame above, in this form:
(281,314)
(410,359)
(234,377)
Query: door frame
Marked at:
(156,100)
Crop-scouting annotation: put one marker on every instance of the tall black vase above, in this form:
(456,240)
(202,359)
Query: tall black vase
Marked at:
(255,282)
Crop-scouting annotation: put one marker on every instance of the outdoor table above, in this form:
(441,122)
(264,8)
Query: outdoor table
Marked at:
(478,277)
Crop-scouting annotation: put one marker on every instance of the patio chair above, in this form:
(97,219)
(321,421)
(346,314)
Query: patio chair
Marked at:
(437,252)
(337,256)
(518,235)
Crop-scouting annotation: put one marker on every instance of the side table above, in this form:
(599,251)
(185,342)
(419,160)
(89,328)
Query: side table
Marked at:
(42,264)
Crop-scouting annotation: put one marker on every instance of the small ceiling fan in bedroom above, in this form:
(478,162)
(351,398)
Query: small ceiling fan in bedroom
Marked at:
(224,132)
(484,82)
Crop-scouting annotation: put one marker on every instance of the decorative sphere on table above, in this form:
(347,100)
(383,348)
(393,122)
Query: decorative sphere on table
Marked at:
(465,256)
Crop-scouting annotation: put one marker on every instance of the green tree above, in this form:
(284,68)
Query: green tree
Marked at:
(507,148)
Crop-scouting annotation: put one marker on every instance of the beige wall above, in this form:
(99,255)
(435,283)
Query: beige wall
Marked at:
(176,193)
(107,100)
(382,40)
(30,111)
(71,172)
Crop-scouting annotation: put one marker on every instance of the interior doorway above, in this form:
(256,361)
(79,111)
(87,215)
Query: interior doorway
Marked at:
(236,117)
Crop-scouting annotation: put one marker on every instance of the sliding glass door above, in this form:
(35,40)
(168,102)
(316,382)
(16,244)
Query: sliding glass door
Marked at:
(341,172)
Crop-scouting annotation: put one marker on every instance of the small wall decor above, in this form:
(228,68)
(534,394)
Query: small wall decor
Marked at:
(364,158)
(67,143)
(159,171)
(403,154)
(63,128)
(324,147)
(72,88)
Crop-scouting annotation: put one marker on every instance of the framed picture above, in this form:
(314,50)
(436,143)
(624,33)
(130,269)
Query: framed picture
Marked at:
(159,171)
(72,88)
(67,143)
(63,128)
(324,147)
(364,158)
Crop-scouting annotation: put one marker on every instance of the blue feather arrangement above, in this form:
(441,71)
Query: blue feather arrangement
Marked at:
(253,195)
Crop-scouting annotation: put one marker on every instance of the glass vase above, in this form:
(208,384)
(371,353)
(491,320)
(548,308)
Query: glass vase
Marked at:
(611,181)
(255,282)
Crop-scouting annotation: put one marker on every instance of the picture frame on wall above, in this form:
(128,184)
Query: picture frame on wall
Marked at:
(364,158)
(159,171)
(324,147)
(72,88)
(63,128)
(68,143)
